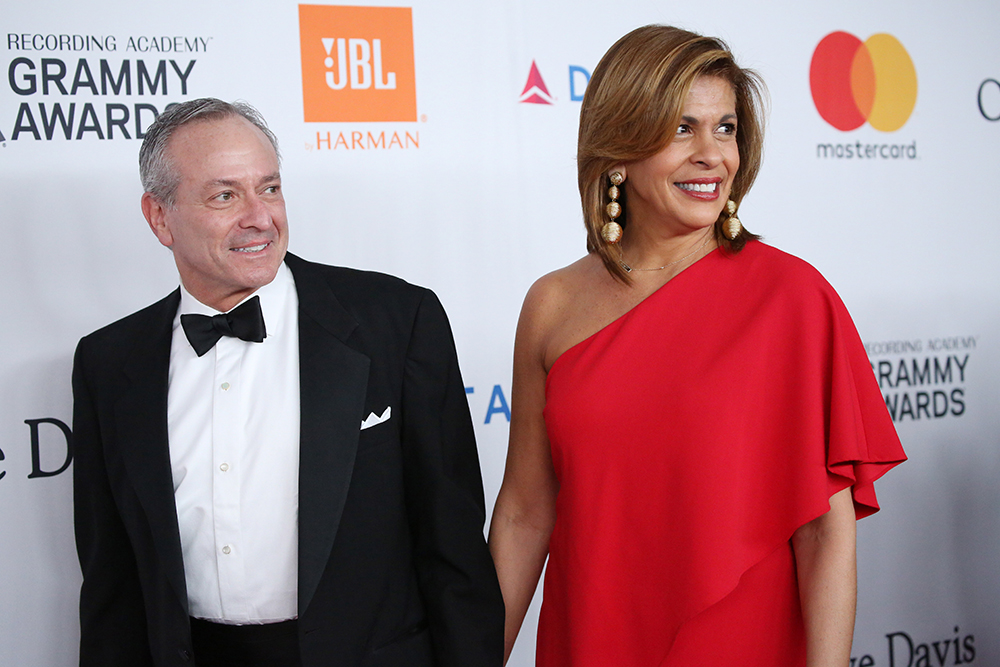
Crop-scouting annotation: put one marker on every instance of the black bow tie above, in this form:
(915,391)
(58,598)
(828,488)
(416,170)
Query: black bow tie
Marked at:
(245,322)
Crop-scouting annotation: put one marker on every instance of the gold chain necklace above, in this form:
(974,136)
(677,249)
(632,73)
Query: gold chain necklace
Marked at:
(629,269)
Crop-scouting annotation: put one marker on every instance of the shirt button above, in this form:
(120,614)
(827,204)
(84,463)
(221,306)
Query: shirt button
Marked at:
(226,550)
(224,467)
(225,386)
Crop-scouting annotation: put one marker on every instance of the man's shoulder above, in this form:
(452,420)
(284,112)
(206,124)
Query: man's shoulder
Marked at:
(385,307)
(124,332)
(354,277)
(356,288)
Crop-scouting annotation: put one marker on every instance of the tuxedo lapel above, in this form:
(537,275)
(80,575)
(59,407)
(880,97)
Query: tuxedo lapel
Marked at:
(333,381)
(141,418)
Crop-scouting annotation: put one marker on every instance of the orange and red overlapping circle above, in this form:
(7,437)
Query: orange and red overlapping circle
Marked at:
(854,81)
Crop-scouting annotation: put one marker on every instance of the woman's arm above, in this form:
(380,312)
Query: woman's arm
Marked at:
(525,511)
(826,563)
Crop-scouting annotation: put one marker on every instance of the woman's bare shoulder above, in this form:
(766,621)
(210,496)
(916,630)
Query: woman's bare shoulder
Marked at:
(559,305)
(551,295)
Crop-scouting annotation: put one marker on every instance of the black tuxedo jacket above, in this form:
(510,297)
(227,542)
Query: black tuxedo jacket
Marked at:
(393,567)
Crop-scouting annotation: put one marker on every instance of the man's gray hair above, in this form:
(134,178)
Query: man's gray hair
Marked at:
(159,178)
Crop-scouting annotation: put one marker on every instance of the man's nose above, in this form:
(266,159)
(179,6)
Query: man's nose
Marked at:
(256,213)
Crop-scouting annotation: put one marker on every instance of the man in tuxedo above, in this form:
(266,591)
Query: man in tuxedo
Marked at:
(274,465)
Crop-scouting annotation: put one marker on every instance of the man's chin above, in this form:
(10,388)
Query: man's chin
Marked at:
(257,279)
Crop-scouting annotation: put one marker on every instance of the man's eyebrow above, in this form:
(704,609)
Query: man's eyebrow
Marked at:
(230,183)
(223,181)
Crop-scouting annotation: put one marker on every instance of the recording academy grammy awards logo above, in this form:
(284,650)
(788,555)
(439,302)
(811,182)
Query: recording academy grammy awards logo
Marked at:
(924,379)
(81,87)
(855,82)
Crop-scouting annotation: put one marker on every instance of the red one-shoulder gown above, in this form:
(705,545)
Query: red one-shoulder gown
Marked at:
(691,438)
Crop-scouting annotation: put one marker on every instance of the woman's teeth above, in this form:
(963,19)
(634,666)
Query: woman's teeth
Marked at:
(698,187)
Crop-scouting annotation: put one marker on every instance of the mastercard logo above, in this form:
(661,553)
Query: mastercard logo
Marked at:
(853,82)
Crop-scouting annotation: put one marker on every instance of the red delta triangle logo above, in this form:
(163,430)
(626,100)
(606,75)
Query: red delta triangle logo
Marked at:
(535,91)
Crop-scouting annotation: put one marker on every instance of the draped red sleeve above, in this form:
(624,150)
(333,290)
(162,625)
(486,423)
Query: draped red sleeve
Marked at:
(691,438)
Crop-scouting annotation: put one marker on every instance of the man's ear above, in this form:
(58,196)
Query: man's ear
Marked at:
(155,212)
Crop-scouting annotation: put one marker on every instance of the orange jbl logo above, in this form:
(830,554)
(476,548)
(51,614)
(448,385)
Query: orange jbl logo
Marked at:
(357,63)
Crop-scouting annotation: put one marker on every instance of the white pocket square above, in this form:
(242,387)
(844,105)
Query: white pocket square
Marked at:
(376,419)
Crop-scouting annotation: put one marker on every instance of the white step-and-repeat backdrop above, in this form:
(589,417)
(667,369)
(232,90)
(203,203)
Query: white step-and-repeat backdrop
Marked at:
(444,153)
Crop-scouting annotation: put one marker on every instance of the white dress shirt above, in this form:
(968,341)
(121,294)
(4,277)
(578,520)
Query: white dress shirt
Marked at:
(233,425)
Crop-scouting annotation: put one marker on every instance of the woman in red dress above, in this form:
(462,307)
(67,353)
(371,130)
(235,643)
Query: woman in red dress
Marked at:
(695,424)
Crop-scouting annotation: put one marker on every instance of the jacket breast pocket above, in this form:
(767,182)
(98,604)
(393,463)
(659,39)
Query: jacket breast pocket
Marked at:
(378,434)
